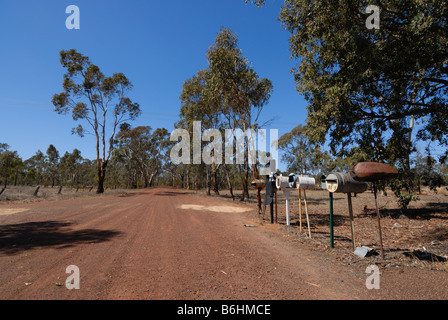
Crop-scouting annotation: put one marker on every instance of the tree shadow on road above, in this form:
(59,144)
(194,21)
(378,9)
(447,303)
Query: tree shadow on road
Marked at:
(27,236)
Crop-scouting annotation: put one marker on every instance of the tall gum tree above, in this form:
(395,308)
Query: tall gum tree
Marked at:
(241,93)
(100,102)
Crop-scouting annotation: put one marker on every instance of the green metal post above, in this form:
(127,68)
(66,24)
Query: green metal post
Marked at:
(331,221)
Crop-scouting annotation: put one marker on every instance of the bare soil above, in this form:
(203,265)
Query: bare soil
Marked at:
(167,244)
(423,226)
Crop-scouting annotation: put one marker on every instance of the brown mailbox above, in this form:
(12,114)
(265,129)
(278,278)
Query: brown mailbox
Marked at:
(373,171)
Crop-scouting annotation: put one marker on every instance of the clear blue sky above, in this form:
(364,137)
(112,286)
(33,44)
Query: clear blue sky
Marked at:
(156,44)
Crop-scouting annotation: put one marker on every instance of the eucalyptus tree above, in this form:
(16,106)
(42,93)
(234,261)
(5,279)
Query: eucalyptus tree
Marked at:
(100,102)
(70,167)
(239,90)
(301,155)
(10,164)
(200,104)
(144,152)
(52,162)
(380,89)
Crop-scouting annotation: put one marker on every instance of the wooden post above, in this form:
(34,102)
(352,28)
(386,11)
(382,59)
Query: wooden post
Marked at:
(300,210)
(379,219)
(259,201)
(287,193)
(352,221)
(306,212)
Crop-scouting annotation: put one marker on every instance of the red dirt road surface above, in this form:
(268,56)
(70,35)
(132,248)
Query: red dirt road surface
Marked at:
(162,244)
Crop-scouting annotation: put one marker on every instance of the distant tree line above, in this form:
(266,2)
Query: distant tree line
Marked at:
(138,160)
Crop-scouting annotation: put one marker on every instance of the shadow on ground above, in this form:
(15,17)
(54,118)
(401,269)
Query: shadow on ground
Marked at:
(28,236)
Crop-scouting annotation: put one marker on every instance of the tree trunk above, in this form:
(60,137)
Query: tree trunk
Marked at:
(188,179)
(246,181)
(146,182)
(229,183)
(243,183)
(215,179)
(207,182)
(102,165)
(154,174)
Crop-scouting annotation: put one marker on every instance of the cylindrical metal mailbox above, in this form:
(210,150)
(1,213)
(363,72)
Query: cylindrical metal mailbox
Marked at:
(373,171)
(282,183)
(343,183)
(258,184)
(306,183)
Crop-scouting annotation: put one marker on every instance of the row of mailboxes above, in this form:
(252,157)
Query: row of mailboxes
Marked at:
(294,181)
(354,181)
(335,182)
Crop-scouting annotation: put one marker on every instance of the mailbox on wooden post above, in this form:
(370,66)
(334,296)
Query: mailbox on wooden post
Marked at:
(303,184)
(374,172)
(258,185)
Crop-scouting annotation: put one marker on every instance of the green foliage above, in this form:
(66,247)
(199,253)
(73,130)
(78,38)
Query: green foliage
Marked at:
(300,155)
(233,82)
(142,153)
(100,101)
(227,95)
(372,89)
(10,164)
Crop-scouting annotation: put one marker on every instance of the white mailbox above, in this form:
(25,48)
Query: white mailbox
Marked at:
(306,183)
(282,183)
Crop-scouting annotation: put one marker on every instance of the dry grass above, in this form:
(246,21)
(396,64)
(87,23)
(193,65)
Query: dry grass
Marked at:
(25,194)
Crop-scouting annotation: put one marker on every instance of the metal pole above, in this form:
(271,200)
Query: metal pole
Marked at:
(276,215)
(272,212)
(379,219)
(331,221)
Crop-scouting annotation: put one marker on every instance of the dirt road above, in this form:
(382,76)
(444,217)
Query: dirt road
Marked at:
(163,244)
